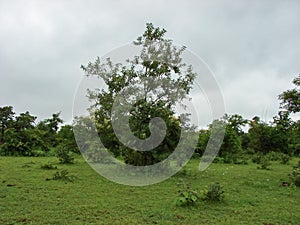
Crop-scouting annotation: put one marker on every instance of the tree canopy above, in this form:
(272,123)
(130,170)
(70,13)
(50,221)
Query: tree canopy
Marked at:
(150,85)
(290,99)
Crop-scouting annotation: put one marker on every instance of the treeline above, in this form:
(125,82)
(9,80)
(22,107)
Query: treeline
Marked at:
(21,135)
(281,135)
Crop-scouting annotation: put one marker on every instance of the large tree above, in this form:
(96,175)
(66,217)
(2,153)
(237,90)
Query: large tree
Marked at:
(154,82)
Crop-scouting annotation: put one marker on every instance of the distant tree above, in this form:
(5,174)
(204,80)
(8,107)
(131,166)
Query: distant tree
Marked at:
(290,99)
(48,129)
(282,132)
(6,119)
(65,137)
(159,65)
(24,121)
(21,138)
(202,141)
(262,138)
(236,122)
(294,138)
(231,146)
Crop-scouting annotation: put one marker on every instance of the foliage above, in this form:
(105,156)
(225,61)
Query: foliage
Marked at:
(261,136)
(20,136)
(202,141)
(6,118)
(294,138)
(282,131)
(256,158)
(64,154)
(285,159)
(290,99)
(65,136)
(162,80)
(274,156)
(214,192)
(295,175)
(186,196)
(264,163)
(48,129)
(231,146)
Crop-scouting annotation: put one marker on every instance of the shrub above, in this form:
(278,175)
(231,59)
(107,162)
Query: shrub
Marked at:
(295,175)
(264,163)
(186,196)
(228,159)
(214,192)
(218,159)
(256,158)
(243,160)
(285,159)
(64,155)
(274,156)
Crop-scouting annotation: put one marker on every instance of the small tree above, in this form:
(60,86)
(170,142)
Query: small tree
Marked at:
(64,154)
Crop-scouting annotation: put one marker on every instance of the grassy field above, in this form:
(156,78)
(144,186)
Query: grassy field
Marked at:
(252,196)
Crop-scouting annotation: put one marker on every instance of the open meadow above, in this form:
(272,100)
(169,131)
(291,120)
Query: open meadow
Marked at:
(29,195)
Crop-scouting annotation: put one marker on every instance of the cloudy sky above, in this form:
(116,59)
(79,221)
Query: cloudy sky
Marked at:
(252,47)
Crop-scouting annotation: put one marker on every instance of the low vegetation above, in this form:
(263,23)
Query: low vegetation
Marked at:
(251,196)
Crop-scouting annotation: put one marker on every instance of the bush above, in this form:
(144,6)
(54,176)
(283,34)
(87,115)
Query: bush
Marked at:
(256,158)
(242,159)
(214,192)
(295,175)
(264,163)
(285,159)
(274,156)
(218,159)
(64,155)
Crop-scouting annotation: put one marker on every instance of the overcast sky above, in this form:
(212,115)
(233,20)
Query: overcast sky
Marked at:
(251,46)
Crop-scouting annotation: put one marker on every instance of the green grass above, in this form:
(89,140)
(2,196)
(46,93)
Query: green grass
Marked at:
(252,196)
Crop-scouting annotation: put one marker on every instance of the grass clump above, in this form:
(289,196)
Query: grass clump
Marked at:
(48,166)
(64,176)
(214,193)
